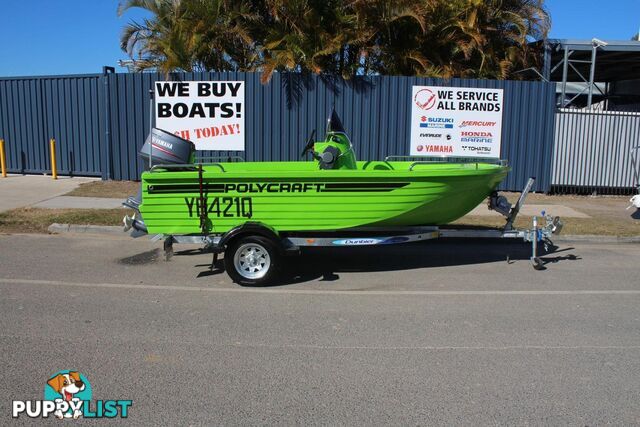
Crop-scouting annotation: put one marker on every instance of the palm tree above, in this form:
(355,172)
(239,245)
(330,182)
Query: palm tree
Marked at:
(490,38)
(438,38)
(304,36)
(191,35)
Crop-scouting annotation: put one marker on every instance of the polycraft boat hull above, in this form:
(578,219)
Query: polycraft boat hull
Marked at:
(298,197)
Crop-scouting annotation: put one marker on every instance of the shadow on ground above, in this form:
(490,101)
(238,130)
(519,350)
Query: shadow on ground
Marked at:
(326,264)
(142,258)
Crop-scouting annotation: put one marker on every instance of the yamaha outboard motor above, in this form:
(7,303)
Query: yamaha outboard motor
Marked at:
(166,149)
(163,148)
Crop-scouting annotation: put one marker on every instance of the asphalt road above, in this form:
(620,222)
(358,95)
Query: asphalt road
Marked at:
(433,333)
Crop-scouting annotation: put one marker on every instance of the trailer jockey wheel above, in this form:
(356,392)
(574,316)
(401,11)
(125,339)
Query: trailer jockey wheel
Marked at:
(252,261)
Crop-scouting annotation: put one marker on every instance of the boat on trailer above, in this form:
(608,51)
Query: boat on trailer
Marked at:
(257,212)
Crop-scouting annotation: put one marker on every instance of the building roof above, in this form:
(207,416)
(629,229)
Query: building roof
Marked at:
(615,59)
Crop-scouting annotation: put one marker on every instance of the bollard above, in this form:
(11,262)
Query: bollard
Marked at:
(3,159)
(54,168)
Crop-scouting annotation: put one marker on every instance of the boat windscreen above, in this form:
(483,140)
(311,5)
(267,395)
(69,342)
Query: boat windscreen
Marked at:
(334,124)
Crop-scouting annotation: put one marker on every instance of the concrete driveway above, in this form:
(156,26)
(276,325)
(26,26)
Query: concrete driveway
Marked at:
(439,333)
(25,190)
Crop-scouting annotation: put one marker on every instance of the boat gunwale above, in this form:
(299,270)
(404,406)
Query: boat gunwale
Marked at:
(240,170)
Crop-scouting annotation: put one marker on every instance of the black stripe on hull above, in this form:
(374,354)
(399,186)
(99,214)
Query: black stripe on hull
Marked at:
(363,186)
(184,188)
(331,187)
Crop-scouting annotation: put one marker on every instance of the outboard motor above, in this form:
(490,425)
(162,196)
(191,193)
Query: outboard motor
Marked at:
(166,149)
(163,148)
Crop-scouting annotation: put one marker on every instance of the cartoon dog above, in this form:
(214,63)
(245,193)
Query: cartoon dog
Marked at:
(67,385)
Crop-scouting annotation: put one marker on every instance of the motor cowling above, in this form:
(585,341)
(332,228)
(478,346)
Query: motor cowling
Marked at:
(165,148)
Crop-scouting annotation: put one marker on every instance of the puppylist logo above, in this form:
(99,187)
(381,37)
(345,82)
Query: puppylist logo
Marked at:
(67,394)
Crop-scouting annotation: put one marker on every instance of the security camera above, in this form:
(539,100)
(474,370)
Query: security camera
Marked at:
(598,42)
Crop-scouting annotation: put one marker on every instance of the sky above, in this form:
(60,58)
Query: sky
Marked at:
(45,37)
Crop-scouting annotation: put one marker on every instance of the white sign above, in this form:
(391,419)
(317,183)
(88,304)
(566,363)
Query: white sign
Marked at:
(456,121)
(211,114)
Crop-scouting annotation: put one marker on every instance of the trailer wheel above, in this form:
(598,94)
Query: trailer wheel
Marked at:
(252,261)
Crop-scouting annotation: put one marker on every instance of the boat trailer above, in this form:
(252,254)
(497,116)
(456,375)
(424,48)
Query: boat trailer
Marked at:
(290,243)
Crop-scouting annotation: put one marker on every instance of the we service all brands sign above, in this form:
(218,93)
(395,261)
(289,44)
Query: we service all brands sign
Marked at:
(211,114)
(456,121)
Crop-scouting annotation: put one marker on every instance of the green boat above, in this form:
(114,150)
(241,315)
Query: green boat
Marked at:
(333,192)
(258,212)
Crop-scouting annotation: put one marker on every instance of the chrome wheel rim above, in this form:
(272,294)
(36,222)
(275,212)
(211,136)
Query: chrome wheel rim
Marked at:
(252,261)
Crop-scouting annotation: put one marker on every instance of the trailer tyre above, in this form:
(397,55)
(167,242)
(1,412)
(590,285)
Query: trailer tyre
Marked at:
(252,261)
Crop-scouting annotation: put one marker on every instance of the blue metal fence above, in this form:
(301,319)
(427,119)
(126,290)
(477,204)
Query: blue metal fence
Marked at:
(100,121)
(35,109)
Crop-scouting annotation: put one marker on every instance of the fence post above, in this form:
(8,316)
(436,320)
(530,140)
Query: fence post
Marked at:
(106,150)
(3,159)
(54,167)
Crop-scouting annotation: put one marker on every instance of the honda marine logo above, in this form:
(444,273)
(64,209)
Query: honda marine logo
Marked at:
(477,134)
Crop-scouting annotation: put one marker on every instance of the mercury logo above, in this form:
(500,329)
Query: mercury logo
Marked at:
(476,123)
